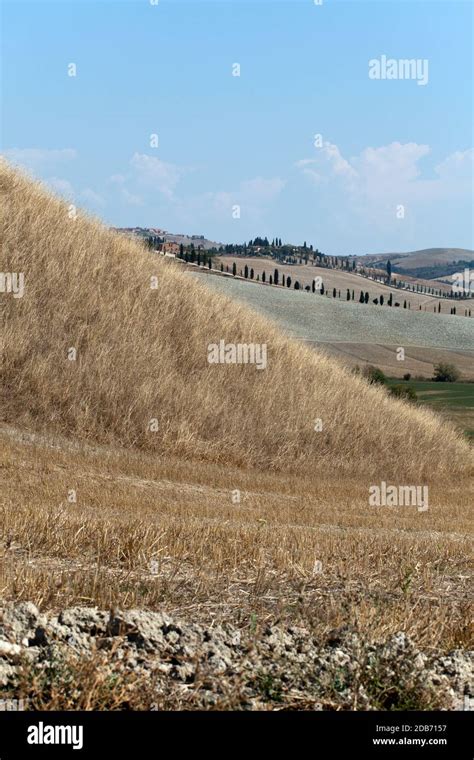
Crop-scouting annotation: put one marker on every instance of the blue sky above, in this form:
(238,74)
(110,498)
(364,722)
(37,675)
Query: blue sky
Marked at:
(392,170)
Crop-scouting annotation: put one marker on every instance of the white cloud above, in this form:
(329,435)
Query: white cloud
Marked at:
(260,190)
(458,165)
(37,159)
(155,173)
(90,196)
(381,170)
(380,177)
(131,198)
(61,187)
(328,163)
(120,182)
(252,195)
(368,190)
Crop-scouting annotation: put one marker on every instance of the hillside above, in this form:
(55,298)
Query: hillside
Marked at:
(357,333)
(428,263)
(141,356)
(343,280)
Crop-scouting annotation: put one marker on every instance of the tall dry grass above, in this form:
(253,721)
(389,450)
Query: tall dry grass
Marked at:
(142,355)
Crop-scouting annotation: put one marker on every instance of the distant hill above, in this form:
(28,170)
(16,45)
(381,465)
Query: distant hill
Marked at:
(429,263)
(169,237)
(198,240)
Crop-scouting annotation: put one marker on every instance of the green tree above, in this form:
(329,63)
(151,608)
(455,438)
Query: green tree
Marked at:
(374,375)
(445,373)
(403,391)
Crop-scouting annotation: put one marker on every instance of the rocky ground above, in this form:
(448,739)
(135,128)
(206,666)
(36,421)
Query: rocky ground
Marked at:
(84,658)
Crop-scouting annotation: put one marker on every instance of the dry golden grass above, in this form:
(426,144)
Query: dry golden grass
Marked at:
(142,355)
(166,496)
(383,569)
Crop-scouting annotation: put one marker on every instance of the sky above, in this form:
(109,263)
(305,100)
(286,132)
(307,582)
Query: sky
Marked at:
(237,119)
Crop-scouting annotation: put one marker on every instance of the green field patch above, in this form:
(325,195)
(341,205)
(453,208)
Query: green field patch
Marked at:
(454,400)
(441,394)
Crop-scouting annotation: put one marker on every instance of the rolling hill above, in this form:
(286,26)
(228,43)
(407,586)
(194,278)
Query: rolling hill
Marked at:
(355,333)
(429,263)
(141,355)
